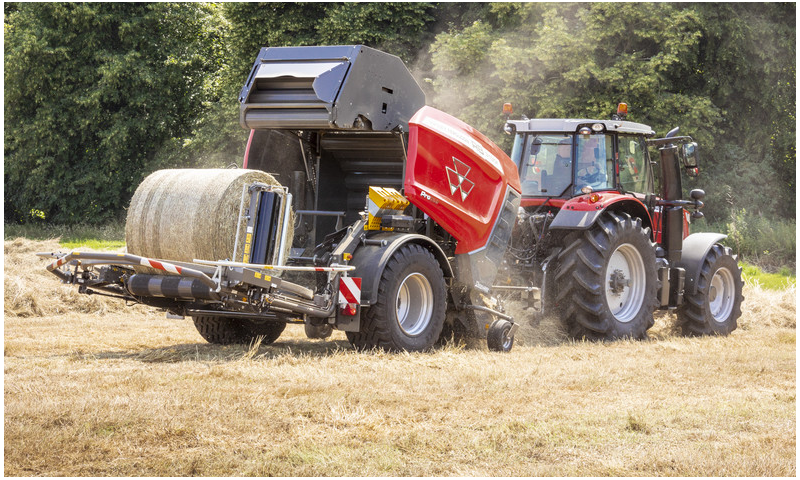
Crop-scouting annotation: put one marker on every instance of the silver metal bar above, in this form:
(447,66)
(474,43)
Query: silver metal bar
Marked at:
(287,210)
(233,314)
(239,221)
(320,213)
(129,259)
(224,263)
(514,288)
(489,310)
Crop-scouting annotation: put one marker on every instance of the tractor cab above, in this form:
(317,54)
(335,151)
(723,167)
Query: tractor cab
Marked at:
(565,158)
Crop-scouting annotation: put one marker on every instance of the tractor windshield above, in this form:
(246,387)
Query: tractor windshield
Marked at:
(595,162)
(546,165)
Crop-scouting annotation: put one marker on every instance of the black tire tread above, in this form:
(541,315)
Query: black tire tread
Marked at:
(496,334)
(230,331)
(377,322)
(693,316)
(580,294)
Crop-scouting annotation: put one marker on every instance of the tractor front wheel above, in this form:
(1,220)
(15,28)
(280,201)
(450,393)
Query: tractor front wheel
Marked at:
(716,306)
(606,280)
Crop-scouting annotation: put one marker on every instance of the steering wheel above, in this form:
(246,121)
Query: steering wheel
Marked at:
(590,174)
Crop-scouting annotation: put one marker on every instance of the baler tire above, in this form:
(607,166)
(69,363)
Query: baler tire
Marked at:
(597,303)
(716,306)
(410,311)
(233,331)
(499,338)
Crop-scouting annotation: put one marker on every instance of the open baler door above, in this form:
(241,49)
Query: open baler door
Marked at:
(338,116)
(350,87)
(468,185)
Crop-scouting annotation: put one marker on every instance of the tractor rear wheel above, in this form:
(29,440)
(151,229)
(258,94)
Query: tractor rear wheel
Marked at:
(606,280)
(231,331)
(716,306)
(410,310)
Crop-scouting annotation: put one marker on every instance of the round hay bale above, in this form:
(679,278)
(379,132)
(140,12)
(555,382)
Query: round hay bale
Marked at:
(183,214)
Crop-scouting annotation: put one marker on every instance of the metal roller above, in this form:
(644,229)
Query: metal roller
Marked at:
(169,286)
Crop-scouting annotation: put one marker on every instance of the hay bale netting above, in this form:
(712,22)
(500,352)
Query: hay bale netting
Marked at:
(183,214)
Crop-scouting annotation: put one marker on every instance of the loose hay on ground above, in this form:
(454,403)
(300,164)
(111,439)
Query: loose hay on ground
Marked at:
(30,290)
(774,308)
(130,394)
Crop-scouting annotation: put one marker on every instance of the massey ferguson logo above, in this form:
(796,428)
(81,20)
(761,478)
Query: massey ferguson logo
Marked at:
(458,178)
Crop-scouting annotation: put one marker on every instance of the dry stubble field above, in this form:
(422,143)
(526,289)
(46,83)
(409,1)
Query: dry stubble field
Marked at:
(94,388)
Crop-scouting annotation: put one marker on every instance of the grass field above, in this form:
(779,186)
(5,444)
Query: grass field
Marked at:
(94,388)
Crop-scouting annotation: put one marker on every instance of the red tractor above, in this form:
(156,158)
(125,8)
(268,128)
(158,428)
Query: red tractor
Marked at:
(603,248)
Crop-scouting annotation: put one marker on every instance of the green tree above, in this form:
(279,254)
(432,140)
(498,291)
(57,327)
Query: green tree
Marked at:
(92,92)
(218,140)
(98,95)
(746,66)
(724,73)
(565,60)
(398,28)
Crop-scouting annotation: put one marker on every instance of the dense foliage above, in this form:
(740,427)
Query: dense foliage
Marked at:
(92,91)
(724,73)
(97,95)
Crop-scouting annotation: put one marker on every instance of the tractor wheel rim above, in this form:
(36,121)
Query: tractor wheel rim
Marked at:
(414,305)
(721,295)
(625,282)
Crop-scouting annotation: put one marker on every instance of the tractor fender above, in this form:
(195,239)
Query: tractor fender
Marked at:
(371,259)
(695,248)
(580,213)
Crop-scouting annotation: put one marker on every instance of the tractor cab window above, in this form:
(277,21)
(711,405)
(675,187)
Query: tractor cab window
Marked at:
(634,166)
(594,164)
(546,165)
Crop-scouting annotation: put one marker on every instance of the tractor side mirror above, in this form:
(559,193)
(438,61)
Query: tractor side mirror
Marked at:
(536,145)
(688,154)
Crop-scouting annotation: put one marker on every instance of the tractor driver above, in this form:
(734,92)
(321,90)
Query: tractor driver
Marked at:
(559,167)
(591,164)
(564,154)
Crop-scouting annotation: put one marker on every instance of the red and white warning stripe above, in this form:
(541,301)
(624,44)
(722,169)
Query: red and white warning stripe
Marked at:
(57,263)
(145,262)
(167,267)
(349,290)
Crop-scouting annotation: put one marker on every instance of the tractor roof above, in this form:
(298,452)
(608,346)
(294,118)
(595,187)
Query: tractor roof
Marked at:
(571,125)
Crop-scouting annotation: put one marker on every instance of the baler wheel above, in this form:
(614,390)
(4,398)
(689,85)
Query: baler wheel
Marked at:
(716,307)
(231,331)
(499,338)
(410,310)
(606,280)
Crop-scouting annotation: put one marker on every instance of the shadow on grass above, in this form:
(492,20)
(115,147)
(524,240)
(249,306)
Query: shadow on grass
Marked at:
(289,349)
(204,352)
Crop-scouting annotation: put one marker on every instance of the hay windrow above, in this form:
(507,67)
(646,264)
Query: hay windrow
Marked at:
(183,214)
(31,291)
